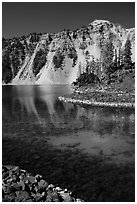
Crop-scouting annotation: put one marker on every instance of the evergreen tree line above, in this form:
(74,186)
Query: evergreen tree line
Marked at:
(14,55)
(39,60)
(111,62)
(12,58)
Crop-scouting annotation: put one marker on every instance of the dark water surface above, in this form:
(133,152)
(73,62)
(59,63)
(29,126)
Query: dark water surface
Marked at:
(89,150)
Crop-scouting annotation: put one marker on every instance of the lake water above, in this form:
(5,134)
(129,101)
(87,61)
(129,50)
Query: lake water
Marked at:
(89,150)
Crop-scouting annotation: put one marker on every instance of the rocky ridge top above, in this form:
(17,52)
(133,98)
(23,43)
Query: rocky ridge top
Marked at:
(61,57)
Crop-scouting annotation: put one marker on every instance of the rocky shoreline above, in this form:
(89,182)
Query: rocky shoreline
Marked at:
(95,103)
(100,98)
(20,186)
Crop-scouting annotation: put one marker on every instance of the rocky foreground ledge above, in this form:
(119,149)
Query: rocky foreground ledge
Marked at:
(20,186)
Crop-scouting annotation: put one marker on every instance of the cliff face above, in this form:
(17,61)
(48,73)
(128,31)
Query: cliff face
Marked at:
(60,58)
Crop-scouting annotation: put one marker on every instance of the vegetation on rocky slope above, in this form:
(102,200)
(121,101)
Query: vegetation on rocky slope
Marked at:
(39,61)
(105,37)
(58,60)
(116,85)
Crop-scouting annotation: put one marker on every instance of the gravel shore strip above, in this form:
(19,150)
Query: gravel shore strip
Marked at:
(20,186)
(95,103)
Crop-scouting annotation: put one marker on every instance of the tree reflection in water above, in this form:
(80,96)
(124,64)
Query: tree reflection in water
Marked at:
(95,129)
(89,150)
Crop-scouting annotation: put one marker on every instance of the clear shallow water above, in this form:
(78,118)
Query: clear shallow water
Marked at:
(45,135)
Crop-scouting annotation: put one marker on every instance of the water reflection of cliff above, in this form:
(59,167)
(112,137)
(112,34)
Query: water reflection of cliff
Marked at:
(41,104)
(96,130)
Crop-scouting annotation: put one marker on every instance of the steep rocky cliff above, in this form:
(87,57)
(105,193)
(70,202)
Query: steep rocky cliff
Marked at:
(60,58)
